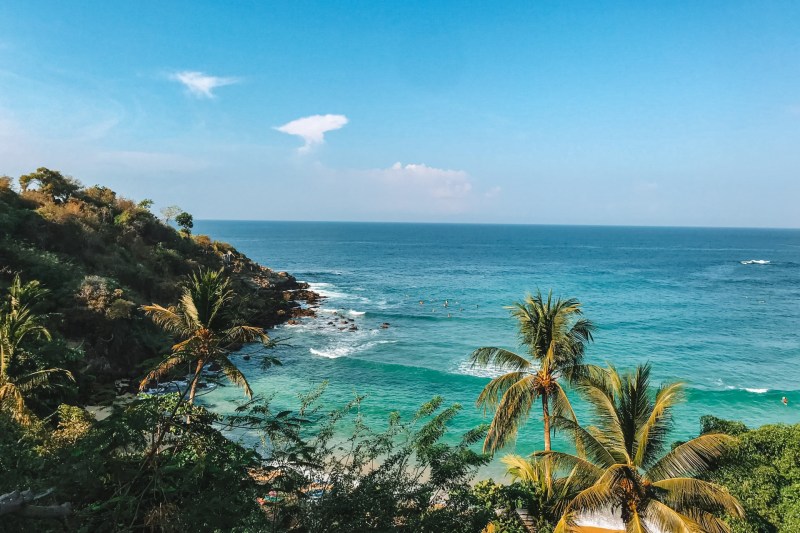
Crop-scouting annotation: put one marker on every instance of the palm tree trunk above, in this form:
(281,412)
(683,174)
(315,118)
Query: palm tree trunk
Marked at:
(546,416)
(195,379)
(193,386)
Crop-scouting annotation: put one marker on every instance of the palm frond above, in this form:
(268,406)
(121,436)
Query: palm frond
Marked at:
(11,400)
(651,436)
(168,319)
(691,458)
(637,525)
(708,522)
(663,518)
(234,375)
(582,473)
(595,499)
(522,469)
(511,412)
(500,358)
(595,450)
(165,367)
(493,392)
(687,493)
(561,405)
(244,334)
(41,378)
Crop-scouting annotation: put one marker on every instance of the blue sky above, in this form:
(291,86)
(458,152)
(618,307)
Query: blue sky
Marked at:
(641,113)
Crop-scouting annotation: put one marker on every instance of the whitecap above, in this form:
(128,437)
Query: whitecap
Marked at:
(466,368)
(756,391)
(755,262)
(325,289)
(332,353)
(353,312)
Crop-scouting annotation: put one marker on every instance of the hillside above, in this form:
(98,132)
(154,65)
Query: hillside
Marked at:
(102,256)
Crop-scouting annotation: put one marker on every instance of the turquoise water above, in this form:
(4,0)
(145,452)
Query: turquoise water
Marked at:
(677,297)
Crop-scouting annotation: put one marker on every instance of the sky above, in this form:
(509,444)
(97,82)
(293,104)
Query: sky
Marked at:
(540,112)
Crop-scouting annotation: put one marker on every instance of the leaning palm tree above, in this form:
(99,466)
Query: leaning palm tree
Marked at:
(19,324)
(622,469)
(555,335)
(206,328)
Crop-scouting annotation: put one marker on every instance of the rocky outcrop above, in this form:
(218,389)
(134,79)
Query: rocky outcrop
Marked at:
(271,297)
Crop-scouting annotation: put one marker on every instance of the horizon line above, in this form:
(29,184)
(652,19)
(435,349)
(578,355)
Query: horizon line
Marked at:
(544,224)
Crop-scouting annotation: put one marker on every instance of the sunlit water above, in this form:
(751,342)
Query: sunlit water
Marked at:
(679,298)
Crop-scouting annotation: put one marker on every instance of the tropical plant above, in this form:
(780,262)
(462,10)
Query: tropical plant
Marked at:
(207,329)
(763,472)
(621,468)
(20,324)
(186,222)
(555,335)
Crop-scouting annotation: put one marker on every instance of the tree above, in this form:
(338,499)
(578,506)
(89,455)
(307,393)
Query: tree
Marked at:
(18,325)
(556,335)
(763,472)
(146,204)
(620,466)
(186,222)
(206,328)
(170,212)
(51,182)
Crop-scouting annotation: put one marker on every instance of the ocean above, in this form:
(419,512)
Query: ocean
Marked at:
(718,309)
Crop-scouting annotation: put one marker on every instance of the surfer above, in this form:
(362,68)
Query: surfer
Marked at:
(785,400)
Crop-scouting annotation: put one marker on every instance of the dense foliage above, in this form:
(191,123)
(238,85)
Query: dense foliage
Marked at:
(94,287)
(763,471)
(119,478)
(101,257)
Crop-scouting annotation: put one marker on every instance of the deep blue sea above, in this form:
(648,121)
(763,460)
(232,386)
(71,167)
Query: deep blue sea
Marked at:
(680,298)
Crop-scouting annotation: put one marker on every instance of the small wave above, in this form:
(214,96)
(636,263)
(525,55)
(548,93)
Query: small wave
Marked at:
(353,312)
(332,353)
(466,368)
(755,391)
(325,289)
(755,262)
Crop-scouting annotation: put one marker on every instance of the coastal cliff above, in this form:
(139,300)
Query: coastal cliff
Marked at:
(101,257)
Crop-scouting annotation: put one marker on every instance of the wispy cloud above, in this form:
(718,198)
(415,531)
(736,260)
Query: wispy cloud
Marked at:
(438,183)
(201,85)
(312,129)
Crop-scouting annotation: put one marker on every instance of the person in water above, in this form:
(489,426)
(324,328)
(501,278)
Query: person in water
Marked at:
(785,400)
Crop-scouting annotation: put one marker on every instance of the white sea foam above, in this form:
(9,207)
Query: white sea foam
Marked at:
(465,367)
(353,312)
(332,353)
(326,289)
(755,262)
(756,391)
(343,350)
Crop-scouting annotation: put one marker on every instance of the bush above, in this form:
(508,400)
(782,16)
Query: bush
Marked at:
(763,472)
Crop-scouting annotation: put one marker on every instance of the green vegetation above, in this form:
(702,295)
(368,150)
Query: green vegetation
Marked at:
(206,327)
(81,270)
(763,471)
(620,463)
(186,222)
(20,373)
(556,335)
(102,257)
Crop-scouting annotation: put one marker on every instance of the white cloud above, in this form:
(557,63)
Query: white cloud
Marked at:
(312,129)
(438,183)
(200,84)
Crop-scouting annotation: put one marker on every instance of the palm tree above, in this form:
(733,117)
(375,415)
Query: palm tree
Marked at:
(555,334)
(622,468)
(206,327)
(19,323)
